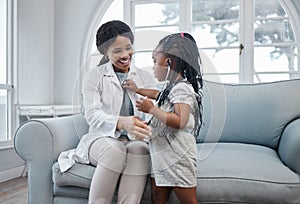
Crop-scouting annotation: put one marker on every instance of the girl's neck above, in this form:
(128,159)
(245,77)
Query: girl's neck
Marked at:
(176,79)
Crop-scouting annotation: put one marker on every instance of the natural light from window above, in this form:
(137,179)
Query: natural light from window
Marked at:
(224,40)
(3,72)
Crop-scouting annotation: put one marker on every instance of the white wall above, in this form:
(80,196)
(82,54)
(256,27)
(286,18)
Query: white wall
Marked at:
(35,52)
(297,5)
(72,19)
(50,39)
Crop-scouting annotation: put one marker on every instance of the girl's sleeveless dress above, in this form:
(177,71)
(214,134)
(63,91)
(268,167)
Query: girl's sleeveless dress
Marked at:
(173,151)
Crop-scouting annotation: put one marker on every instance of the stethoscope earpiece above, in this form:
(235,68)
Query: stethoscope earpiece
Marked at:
(169,62)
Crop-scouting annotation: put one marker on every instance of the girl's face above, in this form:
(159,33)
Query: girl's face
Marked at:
(120,54)
(160,65)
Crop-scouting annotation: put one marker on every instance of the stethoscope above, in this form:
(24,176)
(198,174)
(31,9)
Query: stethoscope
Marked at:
(166,83)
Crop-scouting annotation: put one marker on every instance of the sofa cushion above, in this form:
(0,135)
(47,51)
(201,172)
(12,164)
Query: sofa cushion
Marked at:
(227,172)
(76,182)
(70,191)
(249,113)
(235,172)
(79,175)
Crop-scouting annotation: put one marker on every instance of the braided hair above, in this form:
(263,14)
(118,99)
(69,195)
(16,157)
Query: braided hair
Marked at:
(182,49)
(108,32)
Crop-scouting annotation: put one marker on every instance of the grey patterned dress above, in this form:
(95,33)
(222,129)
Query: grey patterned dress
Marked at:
(173,151)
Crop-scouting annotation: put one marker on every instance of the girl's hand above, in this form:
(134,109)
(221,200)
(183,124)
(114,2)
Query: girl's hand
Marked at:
(134,126)
(144,105)
(130,85)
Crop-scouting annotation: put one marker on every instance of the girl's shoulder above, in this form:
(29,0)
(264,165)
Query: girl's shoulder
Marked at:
(182,87)
(182,92)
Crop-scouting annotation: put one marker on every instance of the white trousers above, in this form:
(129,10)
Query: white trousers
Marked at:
(114,158)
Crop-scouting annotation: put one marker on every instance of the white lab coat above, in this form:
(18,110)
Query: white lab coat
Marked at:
(102,100)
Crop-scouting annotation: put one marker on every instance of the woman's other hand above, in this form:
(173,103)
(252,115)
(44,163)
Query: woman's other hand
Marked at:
(134,126)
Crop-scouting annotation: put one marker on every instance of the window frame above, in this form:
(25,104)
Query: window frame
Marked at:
(246,72)
(11,65)
(245,75)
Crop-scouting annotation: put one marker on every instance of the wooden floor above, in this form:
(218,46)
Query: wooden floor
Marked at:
(14,191)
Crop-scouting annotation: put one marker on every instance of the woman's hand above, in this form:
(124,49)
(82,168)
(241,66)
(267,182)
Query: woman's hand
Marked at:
(144,105)
(134,126)
(130,85)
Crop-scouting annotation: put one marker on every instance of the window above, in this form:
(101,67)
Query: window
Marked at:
(216,27)
(246,41)
(5,72)
(274,42)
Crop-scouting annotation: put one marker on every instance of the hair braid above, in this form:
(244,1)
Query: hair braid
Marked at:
(183,51)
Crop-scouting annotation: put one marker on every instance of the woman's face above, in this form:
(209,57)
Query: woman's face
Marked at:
(160,65)
(120,54)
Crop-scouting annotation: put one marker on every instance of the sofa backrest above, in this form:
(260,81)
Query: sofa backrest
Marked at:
(249,113)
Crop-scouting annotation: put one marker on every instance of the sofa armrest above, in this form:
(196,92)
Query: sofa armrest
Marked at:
(39,143)
(289,146)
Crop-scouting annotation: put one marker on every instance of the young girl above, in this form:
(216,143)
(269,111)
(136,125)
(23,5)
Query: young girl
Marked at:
(176,118)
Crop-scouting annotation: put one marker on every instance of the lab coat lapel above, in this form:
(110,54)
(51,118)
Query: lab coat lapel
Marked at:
(114,91)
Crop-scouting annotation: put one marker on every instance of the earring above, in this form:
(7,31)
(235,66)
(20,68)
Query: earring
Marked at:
(106,57)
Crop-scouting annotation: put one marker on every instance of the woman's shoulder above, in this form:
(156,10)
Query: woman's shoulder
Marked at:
(97,71)
(142,77)
(94,75)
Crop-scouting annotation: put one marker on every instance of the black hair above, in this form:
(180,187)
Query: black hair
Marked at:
(185,59)
(108,32)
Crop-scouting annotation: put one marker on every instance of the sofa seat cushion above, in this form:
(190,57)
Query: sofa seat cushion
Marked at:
(77,180)
(79,175)
(70,191)
(235,172)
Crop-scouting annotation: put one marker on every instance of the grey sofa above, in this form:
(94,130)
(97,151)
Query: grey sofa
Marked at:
(248,149)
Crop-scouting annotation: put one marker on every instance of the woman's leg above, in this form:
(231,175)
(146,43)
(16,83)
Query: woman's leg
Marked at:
(109,157)
(134,177)
(186,195)
(159,195)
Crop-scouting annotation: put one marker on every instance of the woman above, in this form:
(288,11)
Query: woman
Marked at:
(115,143)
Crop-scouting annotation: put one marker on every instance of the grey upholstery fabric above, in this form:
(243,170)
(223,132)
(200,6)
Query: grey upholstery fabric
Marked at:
(236,172)
(222,167)
(289,150)
(248,149)
(71,191)
(249,113)
(69,200)
(79,175)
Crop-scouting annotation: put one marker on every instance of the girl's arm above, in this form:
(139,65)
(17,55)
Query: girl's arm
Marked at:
(150,93)
(131,85)
(177,120)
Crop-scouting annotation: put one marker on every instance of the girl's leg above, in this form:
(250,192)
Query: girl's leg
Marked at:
(134,177)
(186,195)
(159,195)
(109,157)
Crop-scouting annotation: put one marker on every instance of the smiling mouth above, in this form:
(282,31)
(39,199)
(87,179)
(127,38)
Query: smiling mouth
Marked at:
(124,61)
